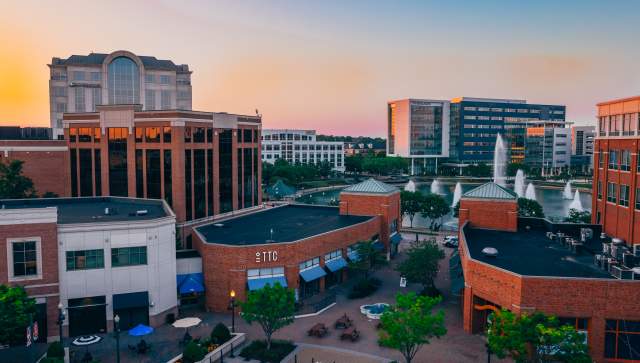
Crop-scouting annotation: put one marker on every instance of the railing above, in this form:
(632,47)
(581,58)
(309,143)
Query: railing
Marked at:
(216,355)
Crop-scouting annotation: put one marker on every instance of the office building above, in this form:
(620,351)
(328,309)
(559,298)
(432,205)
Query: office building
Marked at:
(418,130)
(548,149)
(98,256)
(301,147)
(582,142)
(81,82)
(616,197)
(528,265)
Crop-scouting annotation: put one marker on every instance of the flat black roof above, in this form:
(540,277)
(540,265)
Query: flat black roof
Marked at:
(92,209)
(289,223)
(531,253)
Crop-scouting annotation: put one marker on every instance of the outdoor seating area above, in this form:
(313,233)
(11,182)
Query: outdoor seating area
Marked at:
(343,323)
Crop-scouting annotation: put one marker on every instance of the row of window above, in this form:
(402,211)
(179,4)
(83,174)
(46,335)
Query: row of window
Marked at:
(618,160)
(617,125)
(155,133)
(622,198)
(161,79)
(94,259)
(480,126)
(289,136)
(302,147)
(87,76)
(511,110)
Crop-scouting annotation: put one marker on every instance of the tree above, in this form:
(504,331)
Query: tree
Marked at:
(271,306)
(535,338)
(324,168)
(478,170)
(512,168)
(434,207)
(422,263)
(576,216)
(410,323)
(369,258)
(14,185)
(193,352)
(410,204)
(220,334)
(16,309)
(353,163)
(529,208)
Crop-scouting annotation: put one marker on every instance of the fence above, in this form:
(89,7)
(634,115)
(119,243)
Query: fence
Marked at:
(232,346)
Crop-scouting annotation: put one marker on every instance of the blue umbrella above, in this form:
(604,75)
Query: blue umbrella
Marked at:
(140,330)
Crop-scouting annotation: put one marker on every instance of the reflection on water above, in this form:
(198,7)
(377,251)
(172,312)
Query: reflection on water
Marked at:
(553,203)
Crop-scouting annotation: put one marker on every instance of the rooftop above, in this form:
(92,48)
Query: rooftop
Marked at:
(490,190)
(98,59)
(92,209)
(530,253)
(371,186)
(289,223)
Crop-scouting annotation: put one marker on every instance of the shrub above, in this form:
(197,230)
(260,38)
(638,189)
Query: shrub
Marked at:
(258,350)
(364,288)
(170,318)
(220,334)
(431,291)
(52,360)
(193,352)
(55,350)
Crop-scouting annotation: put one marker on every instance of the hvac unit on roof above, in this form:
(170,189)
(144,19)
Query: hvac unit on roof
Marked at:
(629,259)
(606,248)
(636,250)
(636,273)
(622,273)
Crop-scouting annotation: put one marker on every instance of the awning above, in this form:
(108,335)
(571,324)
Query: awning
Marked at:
(353,255)
(132,300)
(395,238)
(377,245)
(190,283)
(313,273)
(257,284)
(336,264)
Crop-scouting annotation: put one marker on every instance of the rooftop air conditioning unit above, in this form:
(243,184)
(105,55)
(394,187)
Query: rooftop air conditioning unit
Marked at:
(636,273)
(617,241)
(586,232)
(622,273)
(629,259)
(603,235)
(606,248)
(636,250)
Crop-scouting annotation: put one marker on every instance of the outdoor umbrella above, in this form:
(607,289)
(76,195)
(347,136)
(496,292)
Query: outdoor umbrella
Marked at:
(186,322)
(140,330)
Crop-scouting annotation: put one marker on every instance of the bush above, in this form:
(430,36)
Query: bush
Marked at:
(220,334)
(170,318)
(55,350)
(258,350)
(364,288)
(52,360)
(431,292)
(193,352)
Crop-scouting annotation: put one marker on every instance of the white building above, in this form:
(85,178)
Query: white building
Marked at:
(80,82)
(418,130)
(300,146)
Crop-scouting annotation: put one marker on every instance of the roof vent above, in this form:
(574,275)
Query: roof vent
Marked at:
(142,212)
(219,225)
(617,241)
(490,252)
(107,211)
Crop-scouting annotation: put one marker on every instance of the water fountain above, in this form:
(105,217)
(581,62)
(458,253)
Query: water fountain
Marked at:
(410,187)
(519,184)
(499,162)
(531,192)
(567,191)
(577,203)
(457,193)
(435,187)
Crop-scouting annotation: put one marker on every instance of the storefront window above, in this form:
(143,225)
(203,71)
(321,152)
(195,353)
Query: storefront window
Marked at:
(310,263)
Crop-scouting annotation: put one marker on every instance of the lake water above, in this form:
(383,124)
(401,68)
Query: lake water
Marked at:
(554,205)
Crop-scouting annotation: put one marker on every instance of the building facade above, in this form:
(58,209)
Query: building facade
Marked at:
(98,257)
(81,82)
(547,149)
(301,146)
(582,143)
(616,197)
(418,130)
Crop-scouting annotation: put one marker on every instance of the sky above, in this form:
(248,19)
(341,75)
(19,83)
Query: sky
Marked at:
(332,65)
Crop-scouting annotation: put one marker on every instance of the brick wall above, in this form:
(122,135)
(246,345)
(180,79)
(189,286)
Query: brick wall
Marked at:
(385,206)
(490,214)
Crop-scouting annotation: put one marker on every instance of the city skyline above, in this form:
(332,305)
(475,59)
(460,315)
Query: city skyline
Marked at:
(330,66)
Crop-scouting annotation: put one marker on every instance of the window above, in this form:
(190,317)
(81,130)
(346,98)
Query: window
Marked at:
(78,76)
(117,149)
(124,81)
(59,92)
(84,134)
(599,189)
(25,258)
(166,134)
(165,99)
(310,263)
(84,260)
(256,273)
(164,79)
(151,134)
(624,195)
(622,339)
(198,134)
(79,93)
(138,133)
(625,160)
(638,198)
(638,163)
(149,78)
(128,256)
(333,255)
(613,159)
(150,99)
(61,107)
(96,98)
(611,193)
(600,159)
(96,76)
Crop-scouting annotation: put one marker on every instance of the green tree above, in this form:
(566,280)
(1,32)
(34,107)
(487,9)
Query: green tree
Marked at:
(576,216)
(478,170)
(369,258)
(272,307)
(16,309)
(220,334)
(434,207)
(193,352)
(353,163)
(422,263)
(411,204)
(535,338)
(529,208)
(14,185)
(512,168)
(410,323)
(324,168)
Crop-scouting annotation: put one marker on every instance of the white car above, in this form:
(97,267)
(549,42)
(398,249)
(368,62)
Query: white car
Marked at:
(451,241)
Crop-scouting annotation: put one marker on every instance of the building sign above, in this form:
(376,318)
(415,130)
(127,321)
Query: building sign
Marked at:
(267,256)
(403,281)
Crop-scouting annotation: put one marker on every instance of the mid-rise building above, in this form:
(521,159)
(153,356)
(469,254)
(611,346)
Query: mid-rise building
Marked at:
(301,147)
(81,82)
(616,174)
(418,130)
(582,143)
(361,148)
(547,149)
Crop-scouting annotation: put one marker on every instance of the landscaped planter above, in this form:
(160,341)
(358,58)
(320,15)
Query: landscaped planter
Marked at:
(237,339)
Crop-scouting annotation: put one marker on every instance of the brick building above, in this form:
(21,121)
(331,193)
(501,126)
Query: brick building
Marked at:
(302,247)
(616,197)
(529,264)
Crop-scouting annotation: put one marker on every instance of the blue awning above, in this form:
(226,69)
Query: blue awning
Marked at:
(395,238)
(377,245)
(353,255)
(336,264)
(257,284)
(313,273)
(190,283)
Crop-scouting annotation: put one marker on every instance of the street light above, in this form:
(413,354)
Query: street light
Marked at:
(232,306)
(116,320)
(60,319)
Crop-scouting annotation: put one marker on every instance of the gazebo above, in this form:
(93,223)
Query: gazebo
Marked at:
(280,190)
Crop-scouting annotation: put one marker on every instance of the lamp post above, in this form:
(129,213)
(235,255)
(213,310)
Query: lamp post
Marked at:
(60,319)
(232,306)
(116,321)
(488,353)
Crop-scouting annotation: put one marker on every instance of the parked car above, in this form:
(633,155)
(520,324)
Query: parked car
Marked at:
(451,241)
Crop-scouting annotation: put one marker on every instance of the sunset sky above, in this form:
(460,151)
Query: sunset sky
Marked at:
(332,65)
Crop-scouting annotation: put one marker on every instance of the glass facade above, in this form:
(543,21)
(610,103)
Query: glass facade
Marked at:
(73,163)
(86,172)
(187,184)
(426,129)
(139,174)
(210,178)
(247,177)
(153,174)
(123,81)
(167,176)
(117,143)
(225,148)
(199,182)
(98,171)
